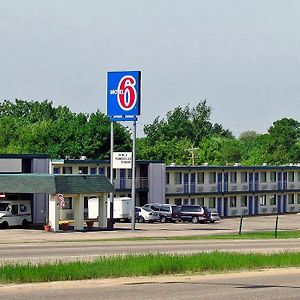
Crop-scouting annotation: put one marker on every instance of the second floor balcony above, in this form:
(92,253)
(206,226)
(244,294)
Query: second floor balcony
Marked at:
(126,183)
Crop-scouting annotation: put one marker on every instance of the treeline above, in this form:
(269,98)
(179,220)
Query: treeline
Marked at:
(185,136)
(38,127)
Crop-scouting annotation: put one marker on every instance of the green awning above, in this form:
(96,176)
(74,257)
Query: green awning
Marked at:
(53,184)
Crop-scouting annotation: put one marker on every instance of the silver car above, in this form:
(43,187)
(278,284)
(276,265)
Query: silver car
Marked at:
(214,217)
(146,214)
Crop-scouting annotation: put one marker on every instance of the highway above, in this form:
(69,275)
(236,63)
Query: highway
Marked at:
(87,250)
(269,284)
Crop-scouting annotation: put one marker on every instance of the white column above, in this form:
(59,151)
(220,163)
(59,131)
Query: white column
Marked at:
(53,212)
(102,210)
(78,208)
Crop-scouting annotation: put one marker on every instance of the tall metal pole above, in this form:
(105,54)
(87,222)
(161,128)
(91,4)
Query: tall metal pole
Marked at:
(110,224)
(133,177)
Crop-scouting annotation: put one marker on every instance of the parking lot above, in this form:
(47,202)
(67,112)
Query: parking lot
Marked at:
(123,230)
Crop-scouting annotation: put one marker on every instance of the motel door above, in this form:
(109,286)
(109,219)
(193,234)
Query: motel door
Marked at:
(225,207)
(186,182)
(122,178)
(193,182)
(250,207)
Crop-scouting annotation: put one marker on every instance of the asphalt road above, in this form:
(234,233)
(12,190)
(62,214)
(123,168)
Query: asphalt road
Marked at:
(70,251)
(270,284)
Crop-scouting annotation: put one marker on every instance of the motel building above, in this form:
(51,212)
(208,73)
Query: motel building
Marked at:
(235,190)
(228,190)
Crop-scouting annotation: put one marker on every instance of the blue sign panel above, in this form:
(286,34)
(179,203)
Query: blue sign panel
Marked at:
(123,93)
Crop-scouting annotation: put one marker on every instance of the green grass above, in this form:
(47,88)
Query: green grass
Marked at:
(146,265)
(226,236)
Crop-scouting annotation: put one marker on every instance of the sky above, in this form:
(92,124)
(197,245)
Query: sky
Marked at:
(242,56)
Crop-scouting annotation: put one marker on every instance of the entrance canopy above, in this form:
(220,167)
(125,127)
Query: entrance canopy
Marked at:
(53,184)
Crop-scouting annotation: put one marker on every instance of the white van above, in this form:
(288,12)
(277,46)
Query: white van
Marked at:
(15,213)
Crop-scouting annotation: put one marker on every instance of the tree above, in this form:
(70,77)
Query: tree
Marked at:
(38,127)
(184,123)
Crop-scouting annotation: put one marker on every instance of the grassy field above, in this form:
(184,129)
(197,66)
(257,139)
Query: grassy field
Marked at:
(146,265)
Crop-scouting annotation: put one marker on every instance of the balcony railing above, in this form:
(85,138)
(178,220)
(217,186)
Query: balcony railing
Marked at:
(126,183)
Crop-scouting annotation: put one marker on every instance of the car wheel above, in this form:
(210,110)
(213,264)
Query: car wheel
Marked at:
(163,219)
(212,221)
(25,223)
(141,220)
(4,225)
(195,220)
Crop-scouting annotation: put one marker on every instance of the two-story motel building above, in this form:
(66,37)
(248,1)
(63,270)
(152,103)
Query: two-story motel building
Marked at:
(228,190)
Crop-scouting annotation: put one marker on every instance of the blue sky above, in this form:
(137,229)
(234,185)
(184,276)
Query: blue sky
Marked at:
(242,56)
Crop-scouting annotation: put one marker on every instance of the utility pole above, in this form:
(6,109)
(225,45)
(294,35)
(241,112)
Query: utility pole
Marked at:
(192,151)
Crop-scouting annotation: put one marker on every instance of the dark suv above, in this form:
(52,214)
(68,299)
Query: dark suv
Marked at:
(167,212)
(195,213)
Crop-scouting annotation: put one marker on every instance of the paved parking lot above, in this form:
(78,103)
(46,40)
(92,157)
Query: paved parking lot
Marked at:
(122,230)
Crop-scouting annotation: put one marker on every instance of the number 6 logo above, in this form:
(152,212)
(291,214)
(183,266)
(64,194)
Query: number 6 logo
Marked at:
(127,95)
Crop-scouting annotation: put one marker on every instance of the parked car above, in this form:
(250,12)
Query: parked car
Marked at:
(146,215)
(167,212)
(214,217)
(195,213)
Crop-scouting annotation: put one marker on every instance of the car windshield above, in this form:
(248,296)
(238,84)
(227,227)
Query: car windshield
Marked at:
(3,206)
(147,208)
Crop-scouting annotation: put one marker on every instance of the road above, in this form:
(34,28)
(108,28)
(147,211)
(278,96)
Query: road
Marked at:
(269,284)
(87,250)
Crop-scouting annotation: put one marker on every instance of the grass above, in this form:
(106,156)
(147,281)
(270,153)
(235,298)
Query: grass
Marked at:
(289,234)
(146,265)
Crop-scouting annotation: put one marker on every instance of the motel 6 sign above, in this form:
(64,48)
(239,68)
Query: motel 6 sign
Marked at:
(123,93)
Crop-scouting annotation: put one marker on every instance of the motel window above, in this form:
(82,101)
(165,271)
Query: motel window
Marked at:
(67,170)
(244,177)
(83,170)
(200,201)
(263,200)
(273,199)
(232,177)
(56,170)
(298,176)
(193,202)
(101,171)
(200,178)
(129,173)
(273,176)
(93,170)
(263,176)
(68,203)
(178,178)
(244,201)
(212,202)
(186,201)
(108,172)
(167,177)
(212,177)
(291,199)
(232,201)
(177,201)
(167,201)
(298,198)
(291,176)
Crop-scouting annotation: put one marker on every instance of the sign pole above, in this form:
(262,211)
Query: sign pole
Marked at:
(133,177)
(110,224)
